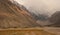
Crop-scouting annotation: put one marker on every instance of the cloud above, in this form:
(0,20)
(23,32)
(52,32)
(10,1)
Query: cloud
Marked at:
(42,6)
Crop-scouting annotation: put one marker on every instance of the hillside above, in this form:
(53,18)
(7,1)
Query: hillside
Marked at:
(12,16)
(55,19)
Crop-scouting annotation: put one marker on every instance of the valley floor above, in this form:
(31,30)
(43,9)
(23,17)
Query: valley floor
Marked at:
(31,31)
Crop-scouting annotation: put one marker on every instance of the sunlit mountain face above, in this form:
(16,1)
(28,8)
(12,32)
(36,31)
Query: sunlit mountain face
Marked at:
(47,7)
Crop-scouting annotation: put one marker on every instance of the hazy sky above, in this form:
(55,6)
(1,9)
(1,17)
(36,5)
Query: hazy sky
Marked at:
(42,6)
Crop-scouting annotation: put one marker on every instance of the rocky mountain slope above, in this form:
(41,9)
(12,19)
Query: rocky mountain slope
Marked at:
(12,16)
(55,19)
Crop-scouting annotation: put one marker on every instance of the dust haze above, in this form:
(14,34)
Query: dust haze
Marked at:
(41,6)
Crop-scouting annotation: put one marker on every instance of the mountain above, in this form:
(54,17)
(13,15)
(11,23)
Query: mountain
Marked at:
(55,19)
(36,17)
(40,17)
(13,16)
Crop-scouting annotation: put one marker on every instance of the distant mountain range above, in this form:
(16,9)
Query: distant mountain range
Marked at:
(54,20)
(37,17)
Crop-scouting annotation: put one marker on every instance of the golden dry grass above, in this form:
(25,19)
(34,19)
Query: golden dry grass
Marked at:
(24,31)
